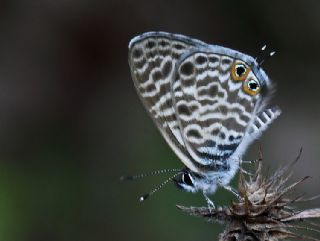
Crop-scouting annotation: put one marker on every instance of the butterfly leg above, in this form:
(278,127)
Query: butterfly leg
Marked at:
(246,172)
(232,190)
(209,202)
(249,162)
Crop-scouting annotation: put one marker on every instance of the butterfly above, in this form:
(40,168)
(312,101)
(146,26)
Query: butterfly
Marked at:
(208,102)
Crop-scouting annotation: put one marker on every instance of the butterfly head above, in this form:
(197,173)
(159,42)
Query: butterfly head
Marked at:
(190,181)
(185,181)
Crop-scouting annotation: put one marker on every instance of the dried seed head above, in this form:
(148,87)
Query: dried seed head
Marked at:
(264,211)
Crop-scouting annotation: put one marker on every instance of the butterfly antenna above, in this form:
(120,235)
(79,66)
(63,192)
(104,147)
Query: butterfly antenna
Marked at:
(147,174)
(259,55)
(266,58)
(262,56)
(147,195)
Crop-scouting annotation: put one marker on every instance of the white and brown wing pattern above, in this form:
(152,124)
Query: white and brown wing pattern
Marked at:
(213,109)
(207,101)
(152,59)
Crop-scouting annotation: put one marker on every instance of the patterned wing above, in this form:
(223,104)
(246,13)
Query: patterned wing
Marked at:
(152,58)
(213,110)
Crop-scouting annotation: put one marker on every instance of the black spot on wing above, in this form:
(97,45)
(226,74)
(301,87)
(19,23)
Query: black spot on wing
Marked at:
(187,68)
(165,52)
(240,70)
(157,75)
(210,143)
(223,109)
(213,90)
(150,44)
(221,94)
(164,43)
(211,156)
(184,110)
(228,147)
(213,59)
(194,133)
(222,136)
(150,88)
(137,53)
(208,102)
(167,69)
(140,64)
(215,132)
(201,59)
(226,61)
(245,118)
(164,89)
(178,46)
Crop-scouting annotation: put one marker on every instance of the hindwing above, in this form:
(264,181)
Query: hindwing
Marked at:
(212,110)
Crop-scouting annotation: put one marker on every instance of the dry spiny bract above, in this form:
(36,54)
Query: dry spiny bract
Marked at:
(264,210)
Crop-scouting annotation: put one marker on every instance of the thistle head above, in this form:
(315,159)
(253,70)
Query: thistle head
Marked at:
(264,211)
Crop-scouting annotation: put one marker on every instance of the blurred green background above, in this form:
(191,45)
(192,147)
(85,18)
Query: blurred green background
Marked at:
(71,122)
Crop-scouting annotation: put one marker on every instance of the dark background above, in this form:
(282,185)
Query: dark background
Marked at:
(71,122)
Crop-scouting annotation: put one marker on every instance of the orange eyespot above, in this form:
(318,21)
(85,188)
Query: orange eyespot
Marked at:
(251,86)
(239,71)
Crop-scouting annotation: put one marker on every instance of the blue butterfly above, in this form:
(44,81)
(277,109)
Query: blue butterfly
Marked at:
(209,103)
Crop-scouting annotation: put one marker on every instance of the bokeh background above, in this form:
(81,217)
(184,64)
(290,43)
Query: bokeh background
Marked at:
(71,122)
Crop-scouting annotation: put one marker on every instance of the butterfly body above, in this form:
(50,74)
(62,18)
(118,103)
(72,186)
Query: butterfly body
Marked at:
(208,101)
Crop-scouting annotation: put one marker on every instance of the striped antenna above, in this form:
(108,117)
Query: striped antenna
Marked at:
(147,174)
(262,56)
(147,195)
(266,58)
(259,55)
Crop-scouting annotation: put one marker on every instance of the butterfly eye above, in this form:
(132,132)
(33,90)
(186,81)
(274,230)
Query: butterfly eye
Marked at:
(186,179)
(239,71)
(252,86)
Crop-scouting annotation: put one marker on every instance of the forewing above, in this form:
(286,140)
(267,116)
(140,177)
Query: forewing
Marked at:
(212,110)
(152,58)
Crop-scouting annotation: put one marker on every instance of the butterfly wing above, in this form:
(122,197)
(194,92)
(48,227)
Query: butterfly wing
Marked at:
(152,59)
(187,88)
(213,111)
